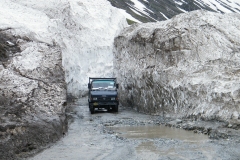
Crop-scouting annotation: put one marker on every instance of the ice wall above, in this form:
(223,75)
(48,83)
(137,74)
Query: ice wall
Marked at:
(185,67)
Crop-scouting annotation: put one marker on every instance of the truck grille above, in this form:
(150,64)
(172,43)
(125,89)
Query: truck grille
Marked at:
(104,98)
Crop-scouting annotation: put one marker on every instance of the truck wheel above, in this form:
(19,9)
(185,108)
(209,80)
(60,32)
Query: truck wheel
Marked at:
(116,108)
(92,110)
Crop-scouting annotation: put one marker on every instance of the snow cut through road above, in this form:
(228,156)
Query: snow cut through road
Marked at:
(94,137)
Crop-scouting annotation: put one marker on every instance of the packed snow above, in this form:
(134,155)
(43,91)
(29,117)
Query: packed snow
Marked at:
(184,66)
(84,30)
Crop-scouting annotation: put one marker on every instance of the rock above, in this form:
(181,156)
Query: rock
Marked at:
(235,126)
(187,66)
(175,123)
(178,121)
(215,134)
(235,115)
(205,131)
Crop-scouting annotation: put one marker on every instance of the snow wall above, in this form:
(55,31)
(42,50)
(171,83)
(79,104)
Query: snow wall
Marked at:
(87,37)
(48,49)
(188,66)
(84,30)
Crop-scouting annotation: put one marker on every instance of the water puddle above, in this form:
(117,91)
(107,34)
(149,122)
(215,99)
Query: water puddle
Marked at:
(152,132)
(149,135)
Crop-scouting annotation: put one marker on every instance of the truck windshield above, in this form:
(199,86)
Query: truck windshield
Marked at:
(103,84)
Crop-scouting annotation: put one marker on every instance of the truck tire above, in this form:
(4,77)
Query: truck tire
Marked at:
(92,110)
(116,108)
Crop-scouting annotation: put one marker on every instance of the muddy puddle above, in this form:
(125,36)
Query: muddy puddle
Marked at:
(149,134)
(152,132)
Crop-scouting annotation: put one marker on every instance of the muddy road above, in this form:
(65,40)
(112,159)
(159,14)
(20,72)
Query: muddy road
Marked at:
(132,135)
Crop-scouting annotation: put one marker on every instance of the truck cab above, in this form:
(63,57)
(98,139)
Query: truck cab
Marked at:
(103,94)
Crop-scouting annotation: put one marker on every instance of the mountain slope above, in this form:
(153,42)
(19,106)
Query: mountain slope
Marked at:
(158,10)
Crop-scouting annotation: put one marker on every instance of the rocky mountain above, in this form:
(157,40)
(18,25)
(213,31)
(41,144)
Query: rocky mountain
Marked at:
(158,10)
(184,67)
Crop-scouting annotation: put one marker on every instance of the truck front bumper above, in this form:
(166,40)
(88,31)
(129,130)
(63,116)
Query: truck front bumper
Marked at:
(103,104)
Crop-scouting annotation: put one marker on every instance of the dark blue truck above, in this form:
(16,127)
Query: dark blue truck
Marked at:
(103,94)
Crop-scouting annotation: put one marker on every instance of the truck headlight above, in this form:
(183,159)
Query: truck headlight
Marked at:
(113,98)
(95,98)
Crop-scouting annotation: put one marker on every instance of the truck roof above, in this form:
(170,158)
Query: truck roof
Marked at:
(93,79)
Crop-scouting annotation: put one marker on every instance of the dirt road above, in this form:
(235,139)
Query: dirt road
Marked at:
(132,135)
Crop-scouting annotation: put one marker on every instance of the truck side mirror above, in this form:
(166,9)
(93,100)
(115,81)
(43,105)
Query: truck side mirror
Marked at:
(117,85)
(89,86)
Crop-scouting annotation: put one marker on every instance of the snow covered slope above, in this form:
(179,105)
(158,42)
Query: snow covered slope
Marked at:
(222,6)
(84,30)
(157,10)
(187,66)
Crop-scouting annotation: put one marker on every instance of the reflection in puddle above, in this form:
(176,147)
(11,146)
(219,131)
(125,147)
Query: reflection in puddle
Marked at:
(151,132)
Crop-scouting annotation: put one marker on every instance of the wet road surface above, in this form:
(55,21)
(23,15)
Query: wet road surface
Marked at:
(134,136)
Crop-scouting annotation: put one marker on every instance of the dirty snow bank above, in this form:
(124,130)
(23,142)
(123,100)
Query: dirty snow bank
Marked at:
(43,46)
(84,30)
(32,95)
(187,66)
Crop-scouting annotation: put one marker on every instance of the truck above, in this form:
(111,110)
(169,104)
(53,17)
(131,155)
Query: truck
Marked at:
(103,94)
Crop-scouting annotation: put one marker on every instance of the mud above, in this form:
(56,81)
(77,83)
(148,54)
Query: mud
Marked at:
(132,135)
